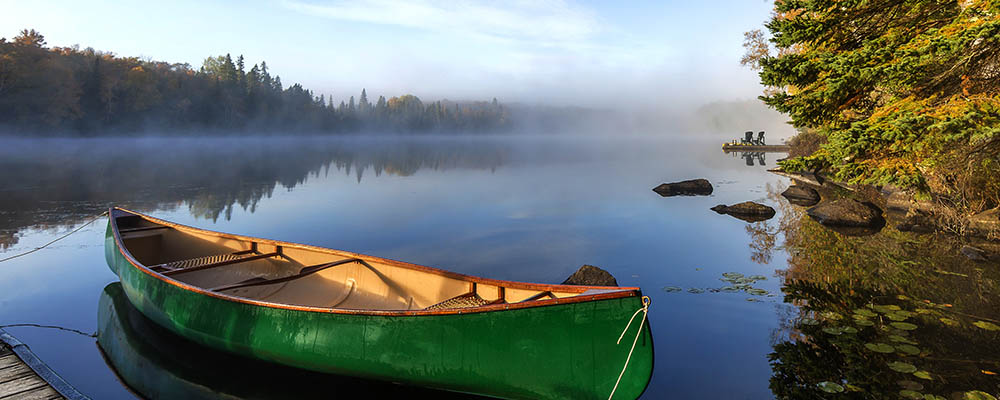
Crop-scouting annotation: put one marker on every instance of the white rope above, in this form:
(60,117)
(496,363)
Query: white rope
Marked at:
(56,239)
(645,312)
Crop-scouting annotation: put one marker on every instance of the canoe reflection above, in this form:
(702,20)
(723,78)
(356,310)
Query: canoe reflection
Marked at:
(157,364)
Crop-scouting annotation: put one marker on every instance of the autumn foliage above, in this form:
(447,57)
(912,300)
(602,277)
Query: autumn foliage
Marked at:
(906,92)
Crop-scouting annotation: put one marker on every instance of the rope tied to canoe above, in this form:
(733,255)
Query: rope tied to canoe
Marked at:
(56,239)
(645,312)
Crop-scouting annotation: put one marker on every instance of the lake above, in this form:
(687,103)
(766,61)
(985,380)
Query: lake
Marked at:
(780,308)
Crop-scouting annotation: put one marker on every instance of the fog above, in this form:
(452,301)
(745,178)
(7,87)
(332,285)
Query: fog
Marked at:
(645,60)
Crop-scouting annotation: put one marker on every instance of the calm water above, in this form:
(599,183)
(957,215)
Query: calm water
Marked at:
(527,209)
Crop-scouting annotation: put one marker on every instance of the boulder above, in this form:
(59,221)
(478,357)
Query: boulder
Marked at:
(801,195)
(590,275)
(693,187)
(747,211)
(849,216)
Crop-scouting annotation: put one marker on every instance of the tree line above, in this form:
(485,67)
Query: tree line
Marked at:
(66,90)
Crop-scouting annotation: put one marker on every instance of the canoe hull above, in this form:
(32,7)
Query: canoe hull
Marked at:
(556,351)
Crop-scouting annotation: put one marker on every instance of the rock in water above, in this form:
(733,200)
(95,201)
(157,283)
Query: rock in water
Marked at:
(849,216)
(590,275)
(974,254)
(694,187)
(747,211)
(801,195)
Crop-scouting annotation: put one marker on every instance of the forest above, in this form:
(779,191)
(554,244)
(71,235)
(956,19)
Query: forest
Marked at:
(899,92)
(66,91)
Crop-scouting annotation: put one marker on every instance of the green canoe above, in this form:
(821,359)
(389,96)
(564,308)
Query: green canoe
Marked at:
(156,364)
(350,314)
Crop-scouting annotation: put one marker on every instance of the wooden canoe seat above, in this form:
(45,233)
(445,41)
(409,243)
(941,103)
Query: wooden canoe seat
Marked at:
(464,300)
(217,260)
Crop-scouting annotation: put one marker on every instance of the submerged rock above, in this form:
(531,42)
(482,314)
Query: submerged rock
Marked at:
(590,275)
(849,216)
(693,187)
(801,195)
(974,254)
(747,211)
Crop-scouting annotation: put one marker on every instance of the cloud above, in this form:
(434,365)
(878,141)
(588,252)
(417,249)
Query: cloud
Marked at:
(540,22)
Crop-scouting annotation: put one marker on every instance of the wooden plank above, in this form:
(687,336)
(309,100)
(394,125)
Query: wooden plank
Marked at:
(12,373)
(39,393)
(22,384)
(9,360)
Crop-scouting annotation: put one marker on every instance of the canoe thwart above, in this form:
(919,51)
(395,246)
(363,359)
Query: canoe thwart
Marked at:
(539,296)
(305,271)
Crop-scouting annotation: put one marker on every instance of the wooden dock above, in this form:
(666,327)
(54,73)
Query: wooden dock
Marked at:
(769,148)
(24,377)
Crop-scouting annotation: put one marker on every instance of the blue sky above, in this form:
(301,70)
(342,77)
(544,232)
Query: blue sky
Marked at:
(647,54)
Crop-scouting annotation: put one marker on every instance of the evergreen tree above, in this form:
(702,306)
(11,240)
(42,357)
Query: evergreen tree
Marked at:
(906,92)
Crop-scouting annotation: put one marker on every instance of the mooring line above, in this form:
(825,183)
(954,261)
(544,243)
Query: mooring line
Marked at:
(56,239)
(71,330)
(645,312)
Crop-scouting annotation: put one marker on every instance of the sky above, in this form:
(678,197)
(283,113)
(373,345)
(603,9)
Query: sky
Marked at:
(636,54)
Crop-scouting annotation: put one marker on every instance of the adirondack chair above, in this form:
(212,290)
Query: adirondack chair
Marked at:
(760,138)
(748,139)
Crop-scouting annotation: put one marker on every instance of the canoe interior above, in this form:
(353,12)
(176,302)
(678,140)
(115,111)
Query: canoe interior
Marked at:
(313,277)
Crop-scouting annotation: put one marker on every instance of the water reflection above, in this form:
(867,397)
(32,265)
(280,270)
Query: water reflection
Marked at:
(750,156)
(884,316)
(159,365)
(53,183)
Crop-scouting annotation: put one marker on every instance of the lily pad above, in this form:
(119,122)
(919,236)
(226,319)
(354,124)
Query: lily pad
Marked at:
(906,326)
(986,325)
(923,375)
(901,339)
(880,347)
(758,278)
(863,322)
(933,397)
(830,387)
(695,290)
(753,300)
(864,312)
(923,311)
(730,289)
(978,395)
(903,367)
(833,330)
(911,394)
(908,349)
(899,315)
(885,309)
(671,289)
(849,329)
(732,275)
(948,321)
(808,321)
(756,292)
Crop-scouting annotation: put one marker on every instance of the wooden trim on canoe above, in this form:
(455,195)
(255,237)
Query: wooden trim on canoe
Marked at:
(608,292)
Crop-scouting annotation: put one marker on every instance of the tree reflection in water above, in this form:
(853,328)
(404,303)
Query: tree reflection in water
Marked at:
(892,315)
(73,180)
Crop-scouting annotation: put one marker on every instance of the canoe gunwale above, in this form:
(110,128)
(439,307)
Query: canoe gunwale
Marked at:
(618,292)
